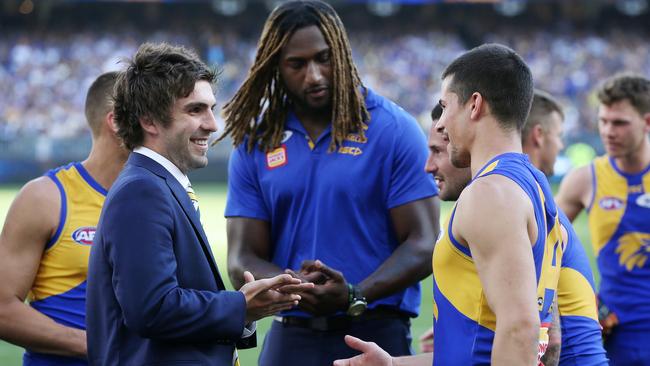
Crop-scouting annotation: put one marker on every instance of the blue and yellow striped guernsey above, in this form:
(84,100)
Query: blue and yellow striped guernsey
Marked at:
(59,289)
(582,343)
(464,324)
(619,224)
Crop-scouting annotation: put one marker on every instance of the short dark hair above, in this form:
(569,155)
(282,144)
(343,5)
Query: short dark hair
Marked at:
(99,100)
(436,112)
(501,77)
(158,75)
(626,86)
(543,105)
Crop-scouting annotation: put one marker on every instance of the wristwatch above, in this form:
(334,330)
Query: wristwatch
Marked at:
(357,304)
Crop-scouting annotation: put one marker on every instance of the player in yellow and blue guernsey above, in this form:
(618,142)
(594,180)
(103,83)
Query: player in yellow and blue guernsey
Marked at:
(615,192)
(497,263)
(46,241)
(581,341)
(581,337)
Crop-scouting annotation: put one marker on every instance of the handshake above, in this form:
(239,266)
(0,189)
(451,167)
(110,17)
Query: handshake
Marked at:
(316,289)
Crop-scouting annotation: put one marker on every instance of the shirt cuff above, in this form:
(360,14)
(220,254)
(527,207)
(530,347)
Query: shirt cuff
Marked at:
(249,330)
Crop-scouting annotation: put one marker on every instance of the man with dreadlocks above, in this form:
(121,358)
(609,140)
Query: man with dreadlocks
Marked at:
(326,183)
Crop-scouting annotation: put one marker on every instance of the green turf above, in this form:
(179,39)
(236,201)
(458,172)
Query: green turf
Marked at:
(212,201)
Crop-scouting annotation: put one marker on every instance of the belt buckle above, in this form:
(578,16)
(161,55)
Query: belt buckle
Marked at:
(320,323)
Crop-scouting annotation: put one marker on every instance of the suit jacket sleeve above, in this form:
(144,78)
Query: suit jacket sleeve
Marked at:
(140,249)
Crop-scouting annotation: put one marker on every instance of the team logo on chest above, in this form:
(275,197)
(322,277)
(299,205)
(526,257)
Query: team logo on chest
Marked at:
(644,200)
(610,203)
(84,235)
(277,157)
(633,249)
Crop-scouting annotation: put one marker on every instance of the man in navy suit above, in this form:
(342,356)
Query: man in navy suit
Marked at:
(154,294)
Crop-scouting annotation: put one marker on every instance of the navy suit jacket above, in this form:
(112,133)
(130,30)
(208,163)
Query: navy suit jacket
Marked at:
(154,292)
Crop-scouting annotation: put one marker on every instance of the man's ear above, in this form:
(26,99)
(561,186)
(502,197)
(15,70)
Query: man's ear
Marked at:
(478,106)
(537,135)
(149,126)
(109,122)
(646,119)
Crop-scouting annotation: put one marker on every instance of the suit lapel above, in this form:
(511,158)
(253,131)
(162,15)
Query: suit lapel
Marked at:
(186,204)
(184,200)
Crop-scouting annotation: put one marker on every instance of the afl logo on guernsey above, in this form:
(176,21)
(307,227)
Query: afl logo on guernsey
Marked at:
(84,235)
(610,203)
(644,200)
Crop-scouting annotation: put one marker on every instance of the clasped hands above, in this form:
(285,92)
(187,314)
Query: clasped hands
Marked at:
(269,296)
(316,289)
(329,293)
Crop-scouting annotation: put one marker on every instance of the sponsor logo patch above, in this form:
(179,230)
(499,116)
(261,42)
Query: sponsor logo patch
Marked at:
(277,157)
(84,235)
(350,150)
(644,200)
(610,203)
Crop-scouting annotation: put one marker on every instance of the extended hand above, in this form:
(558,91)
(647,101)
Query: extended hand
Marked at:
(328,297)
(263,297)
(371,354)
(426,341)
(316,277)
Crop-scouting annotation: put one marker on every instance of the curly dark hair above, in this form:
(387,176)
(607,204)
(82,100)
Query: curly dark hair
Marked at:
(154,79)
(626,86)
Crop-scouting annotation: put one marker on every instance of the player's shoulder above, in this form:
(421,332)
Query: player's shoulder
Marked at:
(580,174)
(490,206)
(576,183)
(493,193)
(496,184)
(42,189)
(37,203)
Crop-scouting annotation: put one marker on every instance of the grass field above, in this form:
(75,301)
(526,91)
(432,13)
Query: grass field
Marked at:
(212,198)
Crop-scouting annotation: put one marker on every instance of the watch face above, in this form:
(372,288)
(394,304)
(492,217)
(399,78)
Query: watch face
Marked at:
(357,308)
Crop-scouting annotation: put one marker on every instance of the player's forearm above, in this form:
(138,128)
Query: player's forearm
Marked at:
(424,359)
(552,355)
(516,343)
(259,267)
(25,327)
(409,263)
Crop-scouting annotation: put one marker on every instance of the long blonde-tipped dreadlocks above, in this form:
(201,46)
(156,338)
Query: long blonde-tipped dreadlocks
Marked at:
(263,90)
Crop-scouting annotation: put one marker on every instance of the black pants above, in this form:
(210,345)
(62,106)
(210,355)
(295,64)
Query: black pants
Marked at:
(287,345)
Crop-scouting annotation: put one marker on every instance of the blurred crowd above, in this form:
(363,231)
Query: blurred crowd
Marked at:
(44,75)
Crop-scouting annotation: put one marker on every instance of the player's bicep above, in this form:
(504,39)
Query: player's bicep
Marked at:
(494,223)
(507,271)
(30,222)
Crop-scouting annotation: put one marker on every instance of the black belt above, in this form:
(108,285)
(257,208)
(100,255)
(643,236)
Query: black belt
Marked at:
(343,322)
